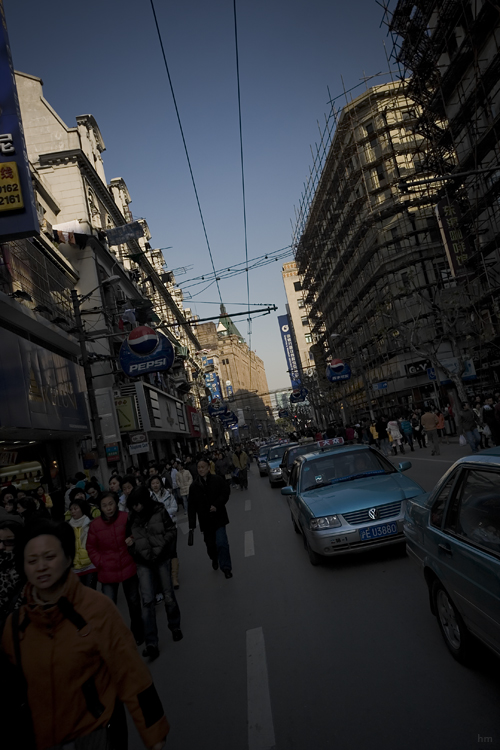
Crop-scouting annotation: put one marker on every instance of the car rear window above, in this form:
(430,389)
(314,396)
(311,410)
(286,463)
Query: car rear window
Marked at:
(300,451)
(277,452)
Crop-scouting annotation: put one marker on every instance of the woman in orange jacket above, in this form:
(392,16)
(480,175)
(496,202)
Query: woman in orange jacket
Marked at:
(78,657)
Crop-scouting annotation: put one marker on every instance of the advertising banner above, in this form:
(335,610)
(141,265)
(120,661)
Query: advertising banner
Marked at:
(456,244)
(122,234)
(298,395)
(17,199)
(212,382)
(290,353)
(146,350)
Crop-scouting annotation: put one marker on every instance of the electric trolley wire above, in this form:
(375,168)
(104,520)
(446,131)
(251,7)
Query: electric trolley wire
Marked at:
(185,145)
(234,270)
(242,169)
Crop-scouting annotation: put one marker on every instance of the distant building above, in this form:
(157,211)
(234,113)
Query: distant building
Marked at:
(297,314)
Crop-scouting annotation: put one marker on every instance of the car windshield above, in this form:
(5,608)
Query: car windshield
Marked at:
(276,452)
(301,450)
(341,467)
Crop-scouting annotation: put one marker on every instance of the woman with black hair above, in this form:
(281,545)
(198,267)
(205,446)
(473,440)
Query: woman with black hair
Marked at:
(29,509)
(80,522)
(77,655)
(108,552)
(152,541)
(8,498)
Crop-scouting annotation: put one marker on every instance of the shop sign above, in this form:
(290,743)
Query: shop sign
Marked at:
(299,395)
(8,458)
(138,437)
(125,409)
(212,382)
(112,452)
(124,233)
(194,421)
(338,371)
(417,368)
(217,408)
(146,350)
(90,460)
(138,448)
(17,198)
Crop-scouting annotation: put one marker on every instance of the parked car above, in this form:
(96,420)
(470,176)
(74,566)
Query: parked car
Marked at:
(294,451)
(453,533)
(348,499)
(262,458)
(273,462)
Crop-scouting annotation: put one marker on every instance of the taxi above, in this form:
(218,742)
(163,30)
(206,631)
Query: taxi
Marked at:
(348,499)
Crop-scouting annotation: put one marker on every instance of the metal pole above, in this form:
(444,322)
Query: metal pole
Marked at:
(94,414)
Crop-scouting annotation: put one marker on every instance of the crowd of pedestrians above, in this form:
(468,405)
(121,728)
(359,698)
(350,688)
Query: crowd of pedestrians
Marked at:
(64,639)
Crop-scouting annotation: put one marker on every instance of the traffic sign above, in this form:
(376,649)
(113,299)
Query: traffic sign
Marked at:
(431,373)
(379,386)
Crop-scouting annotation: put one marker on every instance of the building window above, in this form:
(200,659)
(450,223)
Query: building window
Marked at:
(297,286)
(369,128)
(308,338)
(304,321)
(300,303)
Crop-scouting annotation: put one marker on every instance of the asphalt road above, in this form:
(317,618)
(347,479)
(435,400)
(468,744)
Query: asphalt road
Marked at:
(289,656)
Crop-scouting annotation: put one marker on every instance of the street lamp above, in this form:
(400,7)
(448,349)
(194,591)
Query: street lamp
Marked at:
(87,369)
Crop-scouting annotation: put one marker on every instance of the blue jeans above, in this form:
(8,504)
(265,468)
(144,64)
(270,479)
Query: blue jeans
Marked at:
(474,439)
(131,591)
(218,547)
(148,597)
(184,499)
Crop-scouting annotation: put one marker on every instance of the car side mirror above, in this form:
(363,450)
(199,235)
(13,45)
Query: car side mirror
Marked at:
(404,465)
(282,466)
(287,491)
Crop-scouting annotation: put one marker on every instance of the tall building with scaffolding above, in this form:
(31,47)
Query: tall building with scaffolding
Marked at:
(451,51)
(368,253)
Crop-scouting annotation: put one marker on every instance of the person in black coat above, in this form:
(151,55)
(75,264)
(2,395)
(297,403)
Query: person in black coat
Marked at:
(208,496)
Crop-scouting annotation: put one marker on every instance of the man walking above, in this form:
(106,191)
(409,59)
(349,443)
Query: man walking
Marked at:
(240,461)
(469,426)
(429,422)
(208,496)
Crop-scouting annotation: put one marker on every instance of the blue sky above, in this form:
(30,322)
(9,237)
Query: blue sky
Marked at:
(102,57)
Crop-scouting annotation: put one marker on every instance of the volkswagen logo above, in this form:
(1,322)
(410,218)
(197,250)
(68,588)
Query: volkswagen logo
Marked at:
(373,513)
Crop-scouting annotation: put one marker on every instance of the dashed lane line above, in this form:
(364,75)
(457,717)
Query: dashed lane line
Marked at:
(249,546)
(248,504)
(260,717)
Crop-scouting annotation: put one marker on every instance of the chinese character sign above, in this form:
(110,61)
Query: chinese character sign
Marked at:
(290,353)
(456,244)
(17,199)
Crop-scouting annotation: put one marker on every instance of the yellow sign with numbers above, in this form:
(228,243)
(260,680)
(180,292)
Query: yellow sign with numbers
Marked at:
(11,196)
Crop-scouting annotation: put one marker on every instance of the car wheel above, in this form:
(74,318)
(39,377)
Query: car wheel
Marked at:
(314,558)
(451,624)
(295,527)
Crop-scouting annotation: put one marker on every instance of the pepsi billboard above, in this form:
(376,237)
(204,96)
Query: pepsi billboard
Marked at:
(337,370)
(299,395)
(146,350)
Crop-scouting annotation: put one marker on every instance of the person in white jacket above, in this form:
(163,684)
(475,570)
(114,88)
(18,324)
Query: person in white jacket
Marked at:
(397,438)
(160,494)
(184,481)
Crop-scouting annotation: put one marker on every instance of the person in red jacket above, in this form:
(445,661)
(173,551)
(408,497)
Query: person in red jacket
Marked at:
(107,550)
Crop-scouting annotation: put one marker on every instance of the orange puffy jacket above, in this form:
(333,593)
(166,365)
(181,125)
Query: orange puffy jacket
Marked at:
(60,662)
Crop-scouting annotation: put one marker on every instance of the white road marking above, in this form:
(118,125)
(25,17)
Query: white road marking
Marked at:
(260,717)
(184,527)
(248,504)
(249,546)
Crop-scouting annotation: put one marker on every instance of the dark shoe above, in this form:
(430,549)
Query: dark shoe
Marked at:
(176,586)
(215,565)
(139,641)
(228,574)
(151,651)
(413,449)
(177,635)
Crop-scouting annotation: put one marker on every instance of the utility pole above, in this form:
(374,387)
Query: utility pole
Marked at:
(94,414)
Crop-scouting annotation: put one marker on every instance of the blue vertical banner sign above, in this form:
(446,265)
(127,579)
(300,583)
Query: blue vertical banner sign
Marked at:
(290,353)
(212,382)
(18,216)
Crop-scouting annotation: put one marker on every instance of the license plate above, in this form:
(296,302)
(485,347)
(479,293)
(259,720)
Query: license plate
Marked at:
(375,532)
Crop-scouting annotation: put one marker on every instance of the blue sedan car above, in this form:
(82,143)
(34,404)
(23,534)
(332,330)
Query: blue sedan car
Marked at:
(453,533)
(348,499)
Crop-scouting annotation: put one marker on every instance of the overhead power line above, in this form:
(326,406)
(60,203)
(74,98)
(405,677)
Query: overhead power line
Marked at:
(237,268)
(242,172)
(185,146)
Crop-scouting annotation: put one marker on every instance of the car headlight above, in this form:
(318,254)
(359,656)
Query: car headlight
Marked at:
(326,522)
(275,471)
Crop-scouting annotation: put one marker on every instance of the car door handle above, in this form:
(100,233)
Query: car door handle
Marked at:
(445,548)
